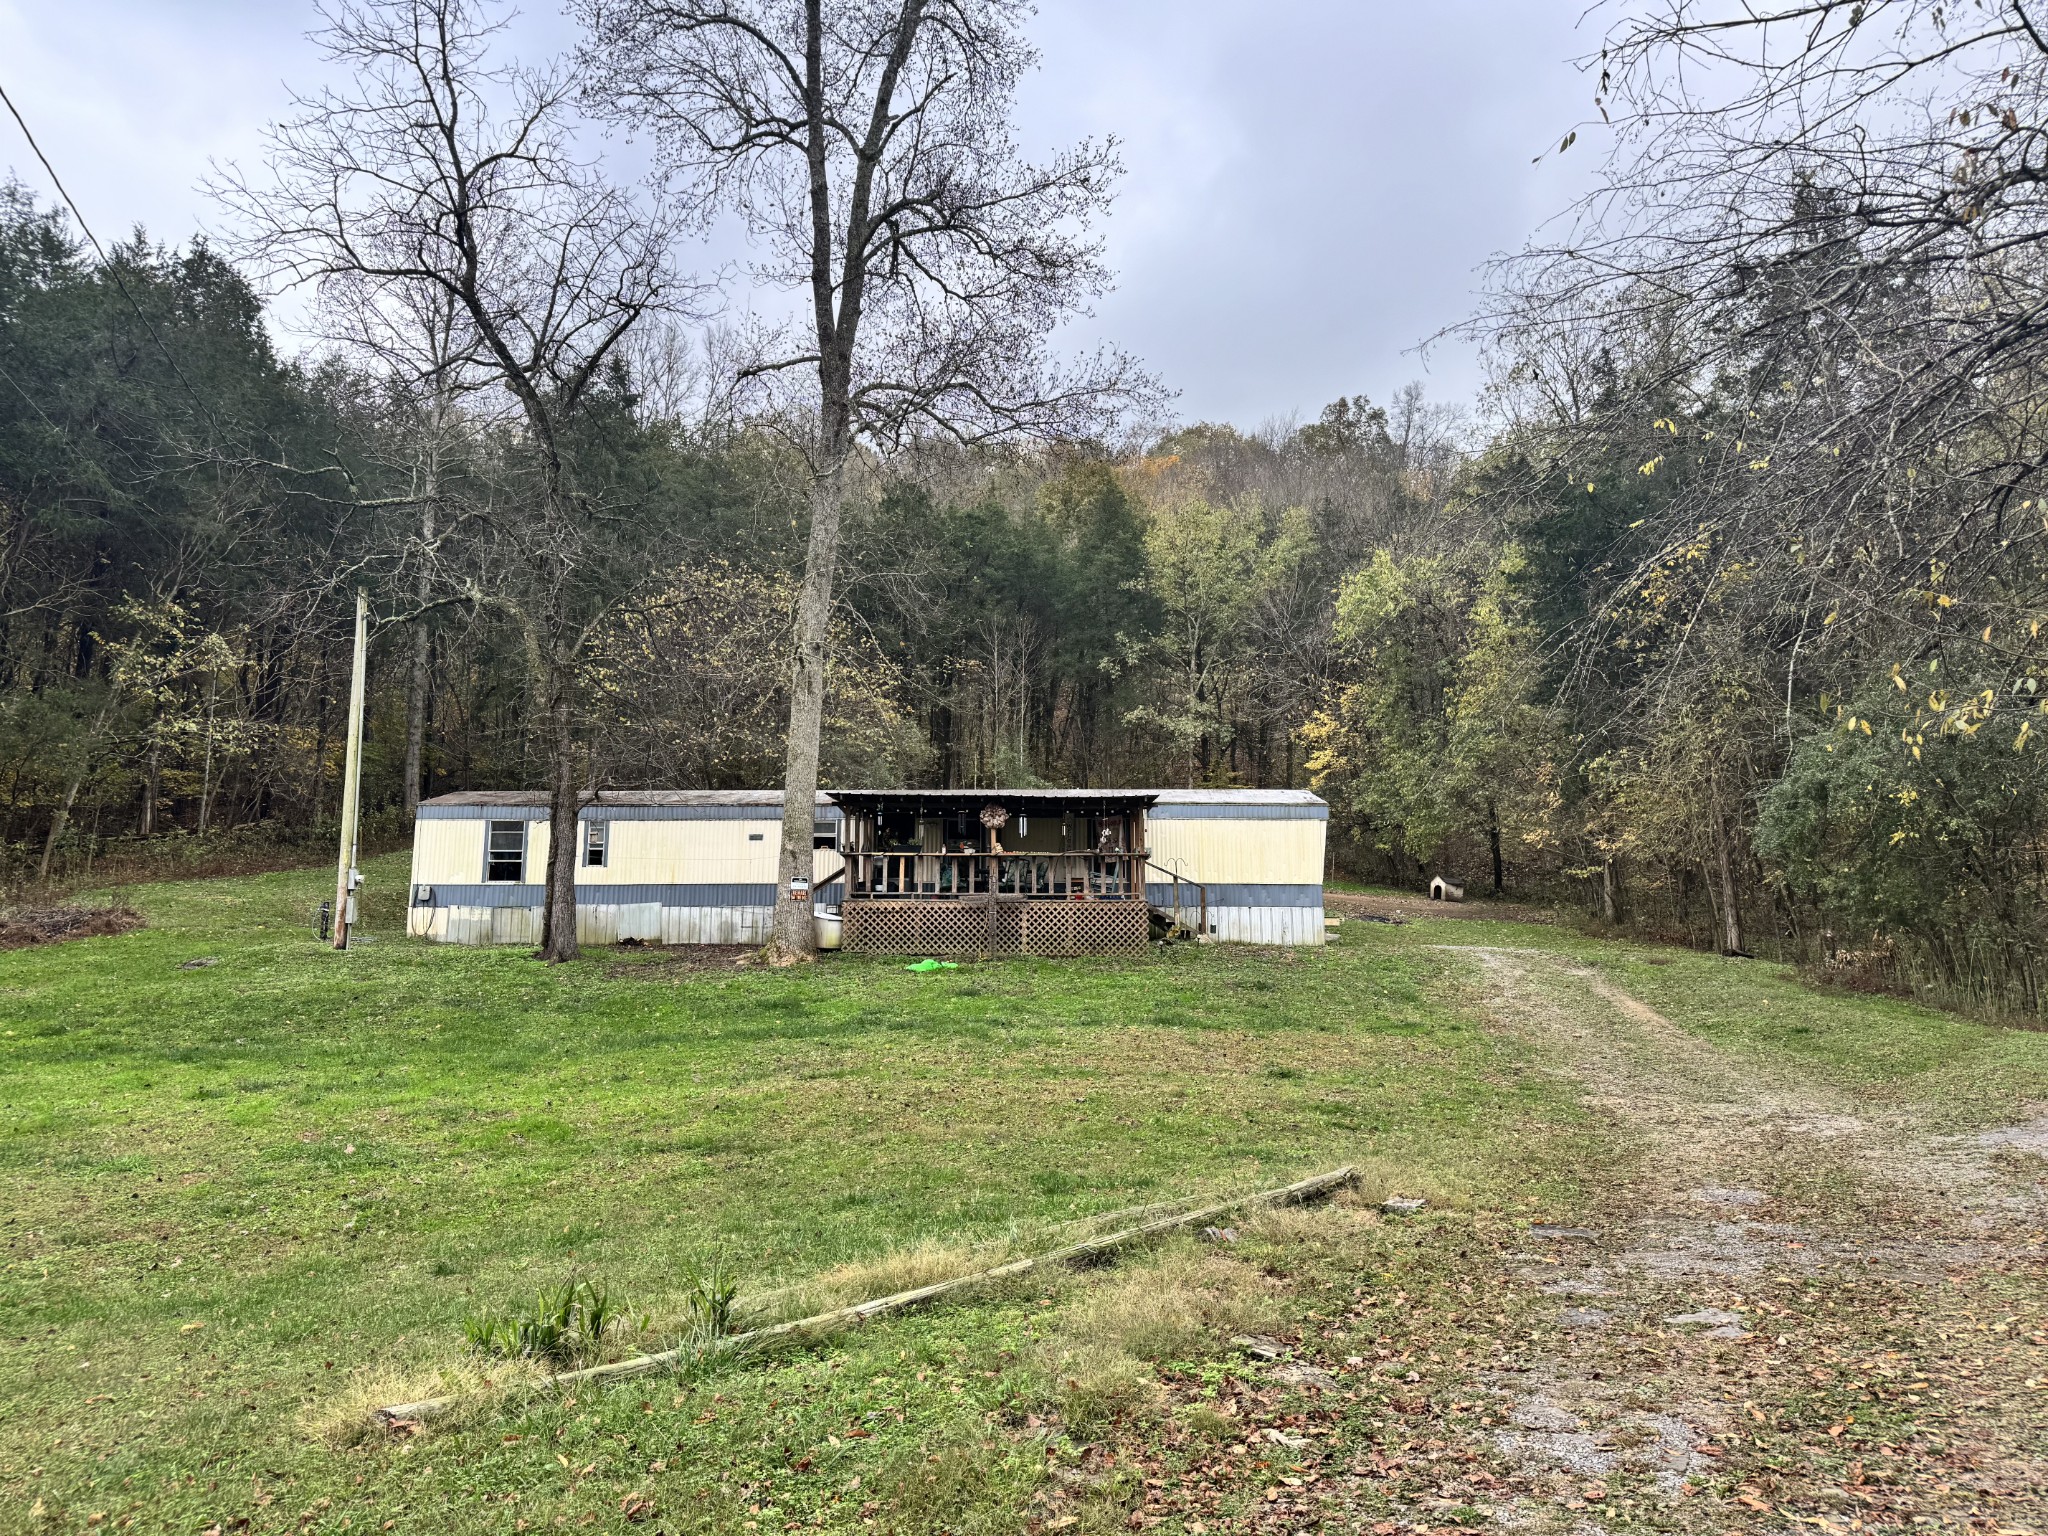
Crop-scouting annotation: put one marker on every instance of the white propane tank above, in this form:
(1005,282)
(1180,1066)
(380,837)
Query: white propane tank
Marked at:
(825,925)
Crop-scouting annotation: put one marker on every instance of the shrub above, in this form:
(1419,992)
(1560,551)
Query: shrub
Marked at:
(566,1324)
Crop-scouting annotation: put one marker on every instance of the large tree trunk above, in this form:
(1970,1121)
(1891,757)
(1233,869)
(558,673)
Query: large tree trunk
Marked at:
(63,816)
(416,720)
(565,800)
(152,788)
(206,779)
(57,825)
(1724,871)
(421,679)
(792,936)
(1493,847)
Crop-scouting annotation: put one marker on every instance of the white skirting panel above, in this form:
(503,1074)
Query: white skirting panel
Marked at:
(474,925)
(715,925)
(612,922)
(608,924)
(1266,925)
(749,925)
(515,925)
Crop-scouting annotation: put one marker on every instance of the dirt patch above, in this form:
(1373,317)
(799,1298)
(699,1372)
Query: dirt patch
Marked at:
(1375,907)
(2031,1137)
(1778,1306)
(1599,1442)
(655,962)
(1859,1354)
(28,926)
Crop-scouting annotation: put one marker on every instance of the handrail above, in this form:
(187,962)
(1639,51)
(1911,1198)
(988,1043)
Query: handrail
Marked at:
(1074,876)
(1202,896)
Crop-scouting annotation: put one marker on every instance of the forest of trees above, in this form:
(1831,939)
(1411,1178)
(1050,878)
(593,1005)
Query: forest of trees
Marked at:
(187,524)
(1718,617)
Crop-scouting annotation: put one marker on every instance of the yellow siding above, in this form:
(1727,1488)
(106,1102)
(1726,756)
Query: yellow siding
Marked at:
(451,852)
(1239,850)
(447,852)
(641,852)
(1216,849)
(687,853)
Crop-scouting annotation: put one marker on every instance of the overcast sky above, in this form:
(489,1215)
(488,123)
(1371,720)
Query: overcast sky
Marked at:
(1311,184)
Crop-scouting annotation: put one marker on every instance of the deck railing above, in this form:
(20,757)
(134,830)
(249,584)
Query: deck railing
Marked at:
(1044,876)
(1187,901)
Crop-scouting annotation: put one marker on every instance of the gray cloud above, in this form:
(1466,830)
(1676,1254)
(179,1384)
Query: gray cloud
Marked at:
(1312,183)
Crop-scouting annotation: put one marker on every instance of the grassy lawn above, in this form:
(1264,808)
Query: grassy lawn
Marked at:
(250,1197)
(248,1188)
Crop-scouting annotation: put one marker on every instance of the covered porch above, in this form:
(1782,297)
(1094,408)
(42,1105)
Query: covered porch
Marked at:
(1049,872)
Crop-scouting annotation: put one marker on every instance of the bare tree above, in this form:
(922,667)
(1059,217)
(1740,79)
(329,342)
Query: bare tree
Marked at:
(1819,250)
(867,146)
(438,179)
(418,344)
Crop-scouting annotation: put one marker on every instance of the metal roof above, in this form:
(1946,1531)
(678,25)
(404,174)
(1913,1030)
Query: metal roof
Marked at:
(962,797)
(647,797)
(1237,797)
(1135,799)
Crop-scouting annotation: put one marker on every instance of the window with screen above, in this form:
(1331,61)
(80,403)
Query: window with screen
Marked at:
(597,839)
(505,852)
(824,834)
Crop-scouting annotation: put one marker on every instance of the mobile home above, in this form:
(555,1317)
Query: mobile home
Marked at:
(910,871)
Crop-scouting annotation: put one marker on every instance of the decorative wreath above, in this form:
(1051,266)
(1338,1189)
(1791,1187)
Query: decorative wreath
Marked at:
(994,817)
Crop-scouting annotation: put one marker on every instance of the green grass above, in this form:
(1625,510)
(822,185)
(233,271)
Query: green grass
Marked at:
(248,1195)
(1879,1047)
(239,1185)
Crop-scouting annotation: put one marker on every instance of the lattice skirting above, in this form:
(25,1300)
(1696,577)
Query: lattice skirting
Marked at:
(1006,928)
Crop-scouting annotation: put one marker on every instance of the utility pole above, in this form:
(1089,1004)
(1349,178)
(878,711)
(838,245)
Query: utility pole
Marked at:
(346,876)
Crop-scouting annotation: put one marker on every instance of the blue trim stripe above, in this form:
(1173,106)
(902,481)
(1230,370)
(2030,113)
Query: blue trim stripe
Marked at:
(749,894)
(482,895)
(746,893)
(738,894)
(483,813)
(1161,895)
(1238,813)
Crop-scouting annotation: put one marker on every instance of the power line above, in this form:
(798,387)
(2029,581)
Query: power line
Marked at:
(106,262)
